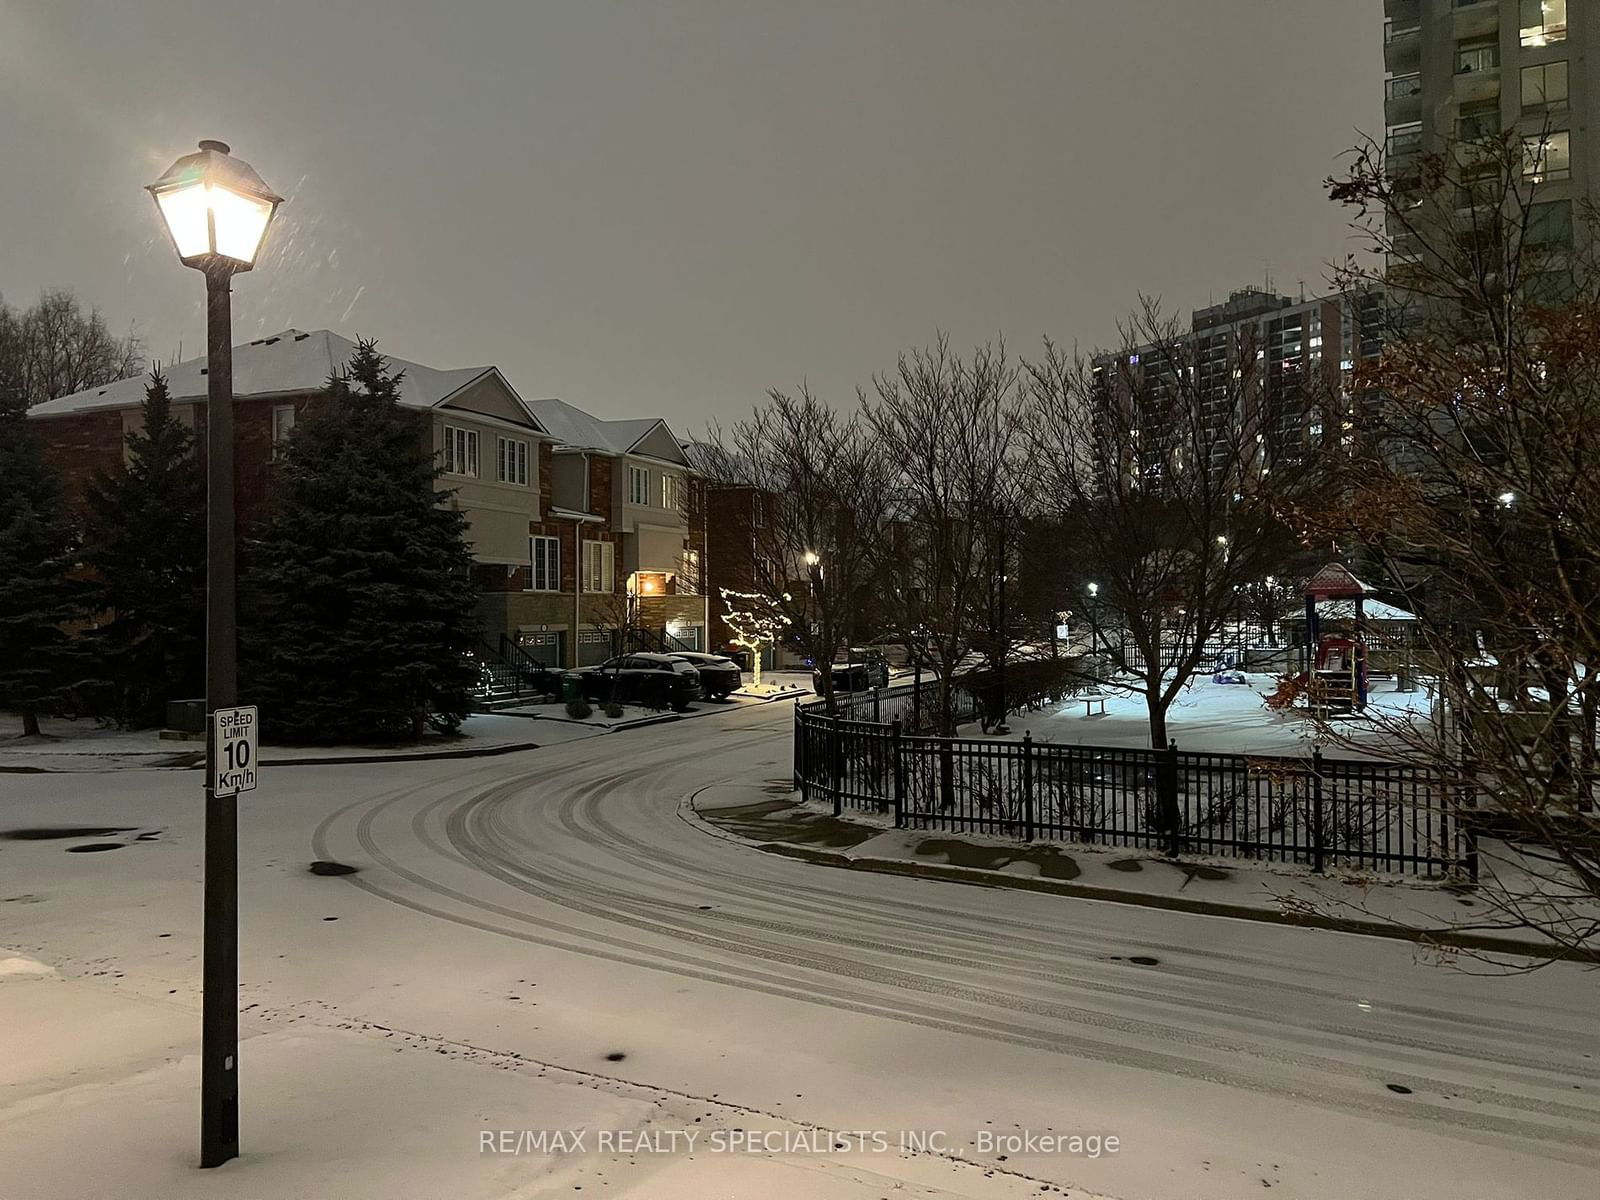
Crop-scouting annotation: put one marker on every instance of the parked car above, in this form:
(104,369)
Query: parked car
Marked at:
(654,680)
(861,668)
(719,675)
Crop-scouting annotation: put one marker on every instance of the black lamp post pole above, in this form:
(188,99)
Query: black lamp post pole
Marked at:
(219,1031)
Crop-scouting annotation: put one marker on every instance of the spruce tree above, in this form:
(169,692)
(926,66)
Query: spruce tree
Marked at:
(38,594)
(359,591)
(147,545)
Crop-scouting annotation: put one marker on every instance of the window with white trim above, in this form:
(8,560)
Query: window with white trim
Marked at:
(544,553)
(511,460)
(599,566)
(282,427)
(638,485)
(672,492)
(460,451)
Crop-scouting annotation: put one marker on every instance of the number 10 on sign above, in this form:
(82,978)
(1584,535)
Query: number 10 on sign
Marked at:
(233,732)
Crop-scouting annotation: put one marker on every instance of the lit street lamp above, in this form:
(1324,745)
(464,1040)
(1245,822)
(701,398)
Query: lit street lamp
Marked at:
(217,209)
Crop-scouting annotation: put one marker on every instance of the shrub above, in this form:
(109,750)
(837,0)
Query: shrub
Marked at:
(612,709)
(579,709)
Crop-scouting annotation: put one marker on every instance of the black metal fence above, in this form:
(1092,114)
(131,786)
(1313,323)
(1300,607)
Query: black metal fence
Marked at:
(1321,812)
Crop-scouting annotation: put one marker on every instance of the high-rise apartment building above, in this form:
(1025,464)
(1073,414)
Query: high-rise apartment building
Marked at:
(1460,70)
(1281,365)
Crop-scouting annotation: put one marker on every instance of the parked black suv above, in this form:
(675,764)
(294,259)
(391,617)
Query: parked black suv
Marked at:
(861,669)
(719,675)
(654,680)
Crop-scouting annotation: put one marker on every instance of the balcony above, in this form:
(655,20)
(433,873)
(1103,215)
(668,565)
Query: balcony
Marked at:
(1402,100)
(1475,18)
(1477,76)
(1402,48)
(1401,149)
(1403,12)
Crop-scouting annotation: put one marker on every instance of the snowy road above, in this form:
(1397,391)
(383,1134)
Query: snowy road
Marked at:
(553,907)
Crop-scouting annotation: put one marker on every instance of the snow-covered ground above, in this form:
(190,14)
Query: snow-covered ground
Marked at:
(518,922)
(1220,718)
(85,745)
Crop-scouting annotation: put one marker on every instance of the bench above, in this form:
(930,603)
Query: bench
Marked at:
(1090,699)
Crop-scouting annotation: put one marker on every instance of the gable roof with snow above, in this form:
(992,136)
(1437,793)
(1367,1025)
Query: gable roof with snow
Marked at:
(288,363)
(580,430)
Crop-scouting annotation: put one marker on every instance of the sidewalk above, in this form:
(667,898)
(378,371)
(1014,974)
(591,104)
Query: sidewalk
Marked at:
(100,1099)
(1382,906)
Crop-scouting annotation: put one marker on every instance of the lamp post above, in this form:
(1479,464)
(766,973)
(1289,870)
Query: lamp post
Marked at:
(216,210)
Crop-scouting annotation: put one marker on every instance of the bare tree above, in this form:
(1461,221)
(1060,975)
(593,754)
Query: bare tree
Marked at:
(951,427)
(817,478)
(1168,465)
(1476,494)
(55,349)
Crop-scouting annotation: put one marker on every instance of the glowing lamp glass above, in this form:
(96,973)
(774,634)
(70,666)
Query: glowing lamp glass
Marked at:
(215,207)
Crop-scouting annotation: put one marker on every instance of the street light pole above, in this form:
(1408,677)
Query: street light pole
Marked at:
(217,209)
(219,1019)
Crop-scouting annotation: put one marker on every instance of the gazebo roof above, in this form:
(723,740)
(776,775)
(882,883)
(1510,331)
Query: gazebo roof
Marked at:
(1335,582)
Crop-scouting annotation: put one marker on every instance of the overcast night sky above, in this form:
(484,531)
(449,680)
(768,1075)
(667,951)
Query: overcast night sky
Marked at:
(665,208)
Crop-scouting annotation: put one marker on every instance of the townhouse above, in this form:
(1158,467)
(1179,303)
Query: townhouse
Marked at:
(581,529)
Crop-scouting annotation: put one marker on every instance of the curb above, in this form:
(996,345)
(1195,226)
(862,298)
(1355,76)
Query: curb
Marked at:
(975,877)
(339,760)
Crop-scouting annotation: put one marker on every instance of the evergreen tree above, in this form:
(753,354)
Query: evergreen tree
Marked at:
(38,596)
(359,590)
(147,544)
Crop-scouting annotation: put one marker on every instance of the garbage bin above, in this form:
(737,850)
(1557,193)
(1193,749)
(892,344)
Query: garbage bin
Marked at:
(571,687)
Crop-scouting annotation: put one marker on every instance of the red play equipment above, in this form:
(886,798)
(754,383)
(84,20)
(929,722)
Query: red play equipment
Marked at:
(1337,679)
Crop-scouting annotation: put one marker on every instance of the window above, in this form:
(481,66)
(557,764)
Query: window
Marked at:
(638,485)
(1544,22)
(1545,86)
(460,451)
(1547,158)
(1550,224)
(1480,56)
(511,460)
(599,566)
(689,573)
(282,427)
(544,553)
(672,493)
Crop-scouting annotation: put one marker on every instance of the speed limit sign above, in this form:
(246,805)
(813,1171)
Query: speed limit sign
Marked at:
(234,740)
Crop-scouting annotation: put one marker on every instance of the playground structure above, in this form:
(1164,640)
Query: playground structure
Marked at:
(1335,678)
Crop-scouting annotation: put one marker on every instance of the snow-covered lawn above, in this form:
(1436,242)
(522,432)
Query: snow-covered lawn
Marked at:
(1208,716)
(85,745)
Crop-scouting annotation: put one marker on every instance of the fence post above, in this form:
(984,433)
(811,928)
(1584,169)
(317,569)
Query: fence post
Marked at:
(799,753)
(1317,829)
(947,775)
(899,776)
(1167,781)
(876,692)
(838,769)
(1027,786)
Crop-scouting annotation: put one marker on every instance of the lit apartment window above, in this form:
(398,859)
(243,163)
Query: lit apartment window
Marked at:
(638,485)
(1544,22)
(1547,158)
(544,553)
(1545,86)
(672,493)
(1479,56)
(511,458)
(460,451)
(282,427)
(599,566)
